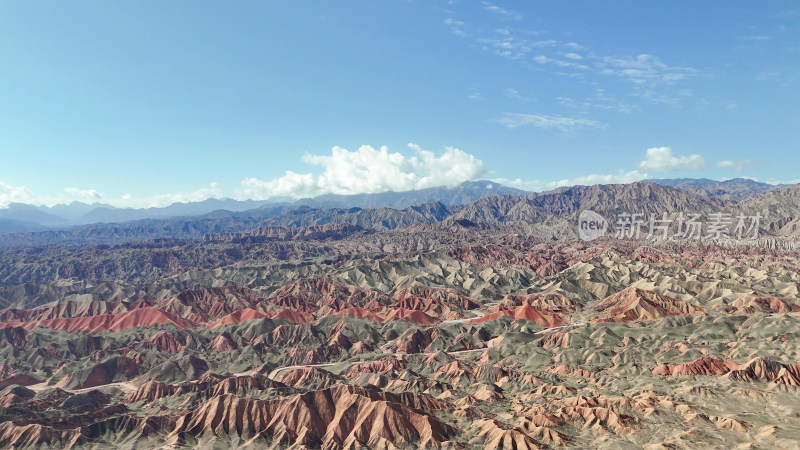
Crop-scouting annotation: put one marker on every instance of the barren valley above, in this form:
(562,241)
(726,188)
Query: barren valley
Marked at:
(472,330)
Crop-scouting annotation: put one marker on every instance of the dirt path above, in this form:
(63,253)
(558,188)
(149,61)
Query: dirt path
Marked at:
(478,315)
(127,386)
(124,386)
(547,330)
(276,371)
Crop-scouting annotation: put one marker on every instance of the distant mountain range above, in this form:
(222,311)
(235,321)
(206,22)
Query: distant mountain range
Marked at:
(20,218)
(734,189)
(482,202)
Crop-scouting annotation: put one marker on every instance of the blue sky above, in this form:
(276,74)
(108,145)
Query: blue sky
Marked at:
(146,103)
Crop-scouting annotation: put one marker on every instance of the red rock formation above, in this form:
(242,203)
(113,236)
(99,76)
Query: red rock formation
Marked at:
(322,292)
(762,369)
(550,268)
(652,255)
(360,347)
(222,343)
(413,316)
(543,317)
(15,396)
(413,342)
(421,294)
(361,313)
(304,375)
(598,418)
(114,369)
(757,369)
(165,341)
(22,380)
(34,435)
(341,417)
(564,369)
(150,391)
(752,304)
(70,309)
(702,366)
(204,305)
(238,317)
(549,301)
(382,365)
(292,315)
(140,317)
(496,435)
(633,304)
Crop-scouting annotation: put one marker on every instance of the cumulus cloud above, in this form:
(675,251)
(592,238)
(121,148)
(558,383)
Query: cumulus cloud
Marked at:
(501,11)
(587,180)
(368,171)
(515,120)
(776,182)
(84,195)
(20,194)
(658,159)
(14,194)
(213,190)
(735,165)
(363,171)
(661,159)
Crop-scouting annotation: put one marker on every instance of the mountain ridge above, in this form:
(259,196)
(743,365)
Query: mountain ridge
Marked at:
(550,215)
(20,217)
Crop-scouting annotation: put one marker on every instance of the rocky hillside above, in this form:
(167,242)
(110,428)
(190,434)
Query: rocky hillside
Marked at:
(483,326)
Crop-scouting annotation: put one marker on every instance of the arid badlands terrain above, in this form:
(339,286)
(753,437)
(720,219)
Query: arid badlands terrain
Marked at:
(480,325)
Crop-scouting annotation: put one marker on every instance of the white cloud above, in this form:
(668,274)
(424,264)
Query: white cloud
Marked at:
(735,165)
(599,99)
(756,38)
(509,46)
(541,59)
(497,10)
(642,69)
(291,184)
(661,159)
(775,181)
(84,195)
(20,194)
(641,75)
(456,26)
(515,120)
(620,177)
(363,171)
(368,171)
(14,194)
(516,95)
(213,190)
